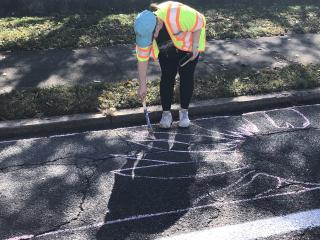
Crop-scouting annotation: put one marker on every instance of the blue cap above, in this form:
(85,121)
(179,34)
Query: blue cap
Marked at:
(144,25)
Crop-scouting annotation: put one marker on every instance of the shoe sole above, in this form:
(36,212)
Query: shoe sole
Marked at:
(165,127)
(183,126)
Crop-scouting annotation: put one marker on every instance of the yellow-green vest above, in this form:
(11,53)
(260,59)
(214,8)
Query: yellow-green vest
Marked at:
(180,21)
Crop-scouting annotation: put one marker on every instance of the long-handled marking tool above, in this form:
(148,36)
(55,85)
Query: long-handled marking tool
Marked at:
(185,59)
(146,115)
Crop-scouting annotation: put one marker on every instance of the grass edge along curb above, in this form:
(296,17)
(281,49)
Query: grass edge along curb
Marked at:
(108,97)
(132,117)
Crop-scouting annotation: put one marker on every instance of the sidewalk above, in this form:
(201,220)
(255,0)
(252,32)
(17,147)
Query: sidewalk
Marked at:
(118,63)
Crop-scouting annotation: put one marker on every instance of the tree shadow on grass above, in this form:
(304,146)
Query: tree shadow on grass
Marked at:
(65,66)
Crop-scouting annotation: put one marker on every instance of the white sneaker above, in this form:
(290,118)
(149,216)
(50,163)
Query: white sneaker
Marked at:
(166,120)
(184,121)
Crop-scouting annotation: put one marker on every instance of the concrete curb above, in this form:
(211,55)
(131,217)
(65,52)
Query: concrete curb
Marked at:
(132,117)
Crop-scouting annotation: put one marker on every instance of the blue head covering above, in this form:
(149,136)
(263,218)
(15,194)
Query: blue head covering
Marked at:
(144,26)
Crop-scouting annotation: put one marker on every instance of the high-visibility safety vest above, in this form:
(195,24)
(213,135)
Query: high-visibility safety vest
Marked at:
(181,21)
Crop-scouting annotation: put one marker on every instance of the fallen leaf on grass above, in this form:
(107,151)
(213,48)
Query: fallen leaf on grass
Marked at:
(108,111)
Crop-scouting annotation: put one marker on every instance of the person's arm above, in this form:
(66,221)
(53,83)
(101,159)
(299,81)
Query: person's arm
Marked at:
(142,72)
(195,43)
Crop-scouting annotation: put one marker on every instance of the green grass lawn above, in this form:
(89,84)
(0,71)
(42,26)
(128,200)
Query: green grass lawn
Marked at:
(61,100)
(105,29)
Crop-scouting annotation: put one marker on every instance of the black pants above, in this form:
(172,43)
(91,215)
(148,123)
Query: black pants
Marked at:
(169,62)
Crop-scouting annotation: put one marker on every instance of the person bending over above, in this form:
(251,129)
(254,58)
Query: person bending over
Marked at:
(175,34)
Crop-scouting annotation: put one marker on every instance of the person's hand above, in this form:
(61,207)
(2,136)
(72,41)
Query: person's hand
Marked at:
(142,91)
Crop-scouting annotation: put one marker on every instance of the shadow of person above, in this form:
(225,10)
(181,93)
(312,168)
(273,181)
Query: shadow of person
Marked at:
(152,197)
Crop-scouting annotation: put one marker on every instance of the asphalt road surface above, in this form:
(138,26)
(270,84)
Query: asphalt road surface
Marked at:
(252,176)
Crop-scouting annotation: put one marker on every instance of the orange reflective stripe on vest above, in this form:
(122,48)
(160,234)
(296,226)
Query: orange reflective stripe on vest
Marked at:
(173,17)
(173,22)
(143,53)
(187,42)
(199,23)
(181,22)
(181,35)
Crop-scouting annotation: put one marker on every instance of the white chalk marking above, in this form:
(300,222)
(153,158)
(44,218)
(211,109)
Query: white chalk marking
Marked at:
(256,229)
(21,237)
(244,131)
(227,187)
(133,127)
(119,172)
(249,129)
(213,131)
(223,150)
(279,109)
(305,124)
(191,134)
(136,162)
(144,216)
(263,194)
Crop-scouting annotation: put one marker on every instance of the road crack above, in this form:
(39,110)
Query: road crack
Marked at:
(88,173)
(48,163)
